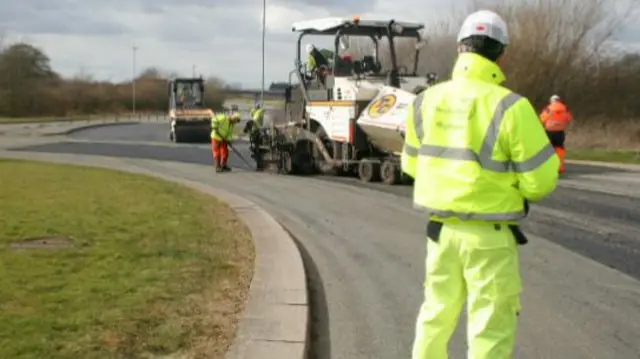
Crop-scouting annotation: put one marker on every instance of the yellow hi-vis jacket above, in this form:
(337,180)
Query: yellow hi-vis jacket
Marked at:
(475,149)
(221,127)
(257,114)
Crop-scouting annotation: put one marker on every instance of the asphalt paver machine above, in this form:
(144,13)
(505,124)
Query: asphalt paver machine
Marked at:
(348,117)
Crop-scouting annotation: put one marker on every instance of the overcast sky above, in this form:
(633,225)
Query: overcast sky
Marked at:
(220,37)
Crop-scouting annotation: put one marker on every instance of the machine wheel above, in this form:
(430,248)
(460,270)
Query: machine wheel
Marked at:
(389,172)
(302,158)
(368,170)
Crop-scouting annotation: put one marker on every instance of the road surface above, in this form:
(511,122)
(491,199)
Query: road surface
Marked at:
(364,247)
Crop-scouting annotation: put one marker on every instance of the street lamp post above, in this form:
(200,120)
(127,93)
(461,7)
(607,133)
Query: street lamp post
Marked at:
(264,21)
(133,81)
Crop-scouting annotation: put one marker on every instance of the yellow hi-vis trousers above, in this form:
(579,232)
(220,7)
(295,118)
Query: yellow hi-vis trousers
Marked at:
(477,262)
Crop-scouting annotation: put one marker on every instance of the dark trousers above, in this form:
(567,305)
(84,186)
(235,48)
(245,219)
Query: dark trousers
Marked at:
(557,141)
(556,138)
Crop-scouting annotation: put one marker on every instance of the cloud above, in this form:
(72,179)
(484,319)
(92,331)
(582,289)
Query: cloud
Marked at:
(37,17)
(280,17)
(218,37)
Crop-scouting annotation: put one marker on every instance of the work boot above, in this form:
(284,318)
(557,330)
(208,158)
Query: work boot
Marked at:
(219,169)
(226,168)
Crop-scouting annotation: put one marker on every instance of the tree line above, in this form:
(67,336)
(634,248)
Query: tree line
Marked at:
(556,47)
(30,87)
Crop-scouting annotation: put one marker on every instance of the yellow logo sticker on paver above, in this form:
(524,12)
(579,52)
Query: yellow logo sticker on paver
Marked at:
(382,105)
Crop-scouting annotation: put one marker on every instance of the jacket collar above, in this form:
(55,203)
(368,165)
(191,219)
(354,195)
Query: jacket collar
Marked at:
(473,66)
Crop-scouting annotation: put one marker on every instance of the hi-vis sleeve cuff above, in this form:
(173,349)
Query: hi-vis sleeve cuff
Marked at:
(484,156)
(409,158)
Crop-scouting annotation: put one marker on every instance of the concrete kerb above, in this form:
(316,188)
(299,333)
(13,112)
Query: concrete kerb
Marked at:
(275,320)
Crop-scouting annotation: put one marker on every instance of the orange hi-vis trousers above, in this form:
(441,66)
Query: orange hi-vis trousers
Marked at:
(560,153)
(220,150)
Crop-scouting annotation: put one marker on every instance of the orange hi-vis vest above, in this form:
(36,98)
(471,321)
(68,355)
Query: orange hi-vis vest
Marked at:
(555,117)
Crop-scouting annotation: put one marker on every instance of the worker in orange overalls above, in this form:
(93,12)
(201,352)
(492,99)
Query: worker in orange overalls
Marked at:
(555,119)
(221,135)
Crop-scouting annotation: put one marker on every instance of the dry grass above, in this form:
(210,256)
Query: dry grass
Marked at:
(602,139)
(605,134)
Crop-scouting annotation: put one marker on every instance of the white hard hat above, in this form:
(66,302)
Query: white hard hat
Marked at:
(554,98)
(487,23)
(310,48)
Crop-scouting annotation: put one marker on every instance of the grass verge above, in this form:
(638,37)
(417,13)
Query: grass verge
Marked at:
(632,157)
(154,269)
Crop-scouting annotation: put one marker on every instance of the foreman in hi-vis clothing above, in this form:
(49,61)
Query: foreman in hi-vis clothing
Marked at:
(478,154)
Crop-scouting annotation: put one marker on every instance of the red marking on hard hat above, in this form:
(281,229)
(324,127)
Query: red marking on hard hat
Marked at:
(480,27)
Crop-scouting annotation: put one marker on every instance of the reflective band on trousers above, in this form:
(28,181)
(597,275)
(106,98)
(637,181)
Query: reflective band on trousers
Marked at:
(484,157)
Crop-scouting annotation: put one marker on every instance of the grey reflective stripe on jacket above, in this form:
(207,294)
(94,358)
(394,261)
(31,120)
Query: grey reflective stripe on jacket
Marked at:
(484,158)
(488,143)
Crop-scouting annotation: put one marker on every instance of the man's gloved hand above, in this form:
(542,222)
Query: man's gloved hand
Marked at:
(526,207)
